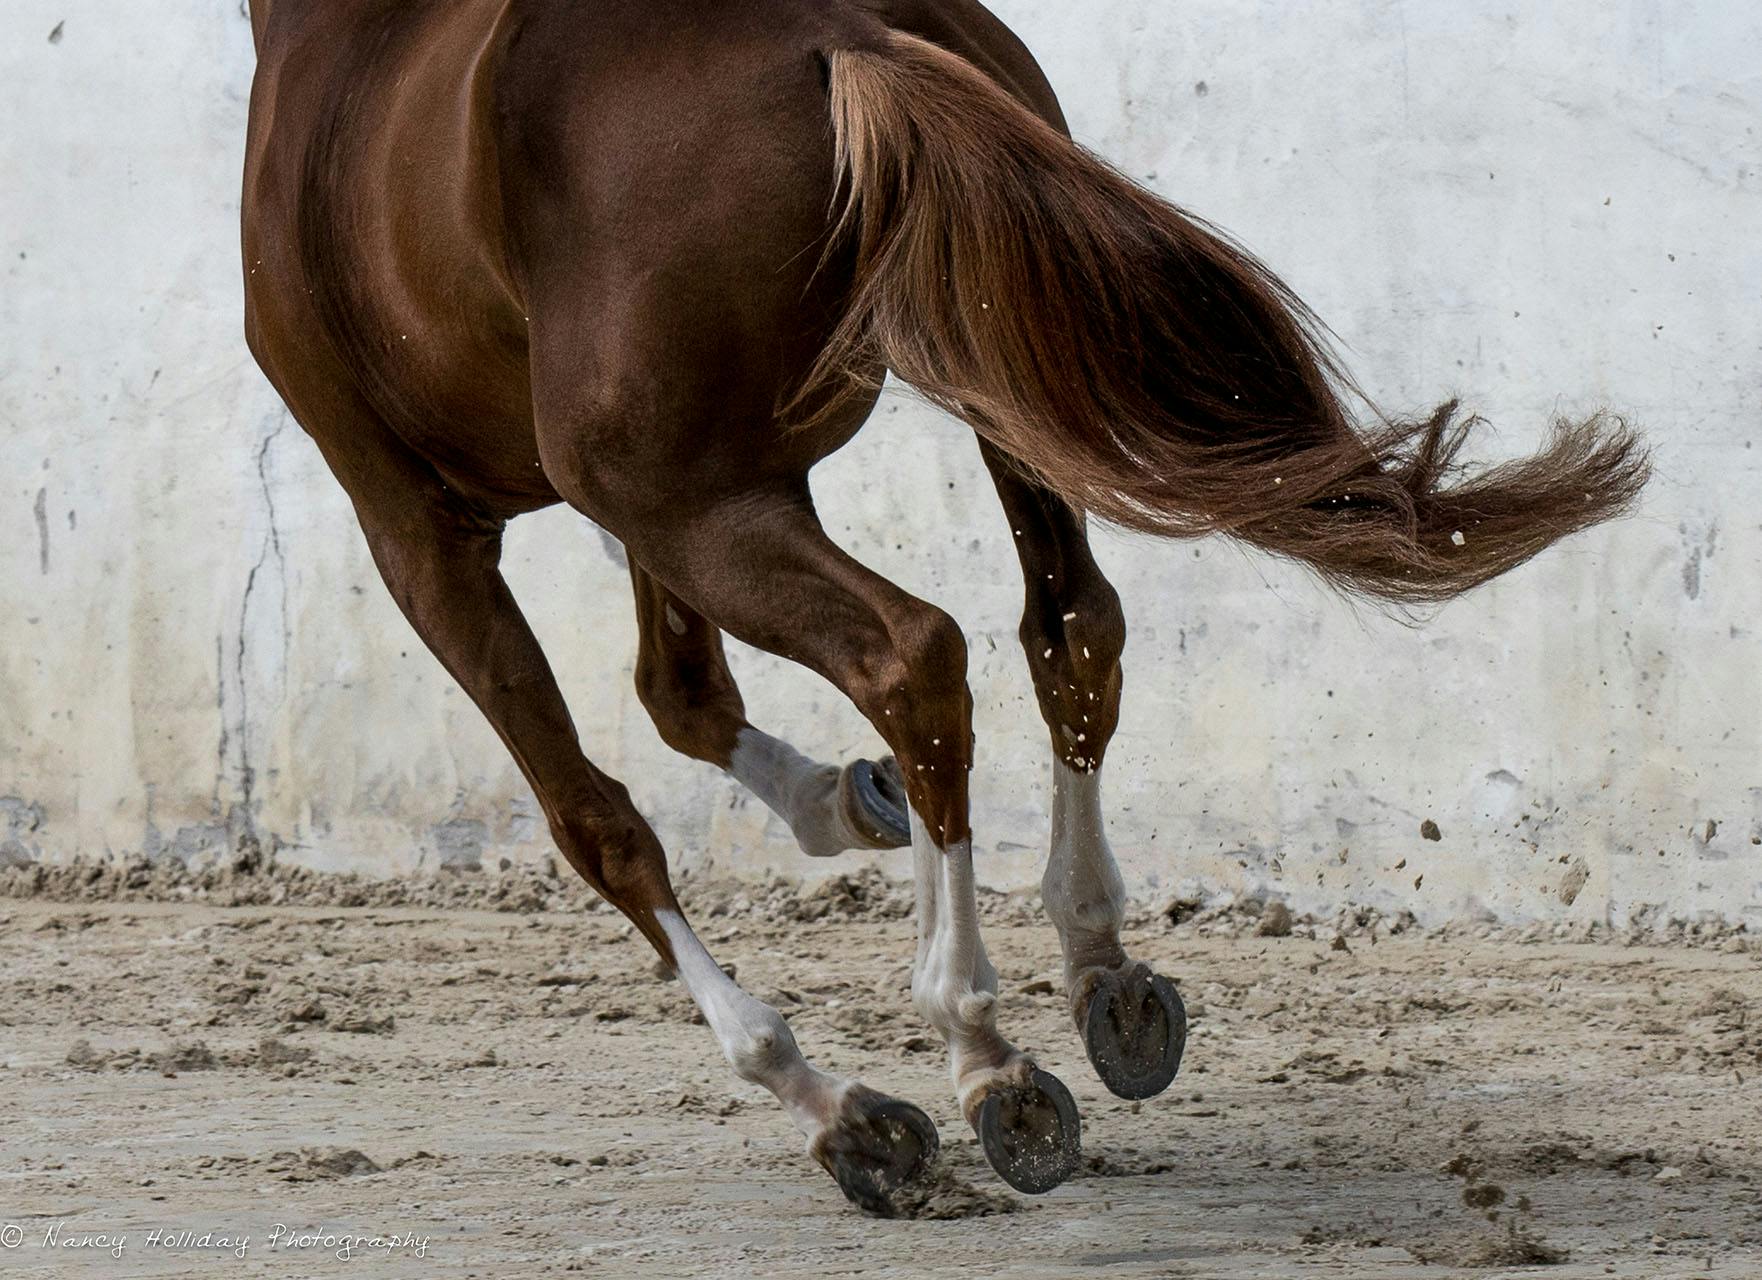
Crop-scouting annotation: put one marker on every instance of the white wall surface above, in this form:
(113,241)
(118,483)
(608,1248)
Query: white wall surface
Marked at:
(1545,206)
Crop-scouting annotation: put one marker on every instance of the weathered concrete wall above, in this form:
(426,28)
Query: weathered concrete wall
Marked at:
(1546,206)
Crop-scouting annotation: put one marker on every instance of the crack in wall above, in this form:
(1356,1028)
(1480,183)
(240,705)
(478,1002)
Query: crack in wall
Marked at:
(220,703)
(244,812)
(41,511)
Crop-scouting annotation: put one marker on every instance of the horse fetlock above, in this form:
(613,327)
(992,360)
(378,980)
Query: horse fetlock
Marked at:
(811,810)
(759,1044)
(977,1009)
(801,791)
(954,1009)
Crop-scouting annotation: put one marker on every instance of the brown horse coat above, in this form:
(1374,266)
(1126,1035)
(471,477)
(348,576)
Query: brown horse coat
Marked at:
(650,258)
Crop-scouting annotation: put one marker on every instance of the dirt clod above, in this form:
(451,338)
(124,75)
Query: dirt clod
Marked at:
(1275,921)
(279,1053)
(312,1163)
(1483,1195)
(944,1195)
(1573,882)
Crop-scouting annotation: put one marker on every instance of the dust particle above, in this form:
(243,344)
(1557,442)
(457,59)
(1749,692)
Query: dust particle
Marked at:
(1428,830)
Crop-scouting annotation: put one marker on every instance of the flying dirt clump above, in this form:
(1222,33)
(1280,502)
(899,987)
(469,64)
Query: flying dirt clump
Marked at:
(1517,1246)
(1573,882)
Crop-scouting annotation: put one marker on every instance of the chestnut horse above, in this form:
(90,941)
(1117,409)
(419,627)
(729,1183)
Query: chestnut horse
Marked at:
(653,258)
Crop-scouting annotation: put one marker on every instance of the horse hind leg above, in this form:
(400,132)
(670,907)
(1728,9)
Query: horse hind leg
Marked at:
(902,662)
(1132,1021)
(683,680)
(440,560)
(1131,1018)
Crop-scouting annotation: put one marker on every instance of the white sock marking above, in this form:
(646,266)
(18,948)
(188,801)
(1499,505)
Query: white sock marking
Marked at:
(1082,890)
(803,792)
(756,1041)
(954,986)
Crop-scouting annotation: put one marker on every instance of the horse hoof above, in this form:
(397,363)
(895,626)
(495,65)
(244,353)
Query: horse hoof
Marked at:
(873,794)
(1135,1031)
(1031,1133)
(878,1146)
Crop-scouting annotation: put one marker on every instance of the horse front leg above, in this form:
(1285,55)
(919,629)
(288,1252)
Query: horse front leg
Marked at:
(1131,1018)
(440,560)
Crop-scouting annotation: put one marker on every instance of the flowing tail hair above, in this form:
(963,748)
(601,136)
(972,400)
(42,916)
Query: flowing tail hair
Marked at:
(1141,365)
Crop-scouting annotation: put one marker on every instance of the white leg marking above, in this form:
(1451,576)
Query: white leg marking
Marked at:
(954,986)
(1082,890)
(754,1037)
(803,792)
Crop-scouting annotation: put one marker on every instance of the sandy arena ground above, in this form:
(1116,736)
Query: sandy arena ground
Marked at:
(520,1088)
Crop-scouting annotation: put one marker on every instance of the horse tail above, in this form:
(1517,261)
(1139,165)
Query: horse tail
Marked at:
(1141,365)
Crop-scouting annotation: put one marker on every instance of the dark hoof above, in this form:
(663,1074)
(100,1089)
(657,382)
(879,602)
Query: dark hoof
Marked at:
(873,794)
(879,1146)
(1031,1134)
(1135,1031)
